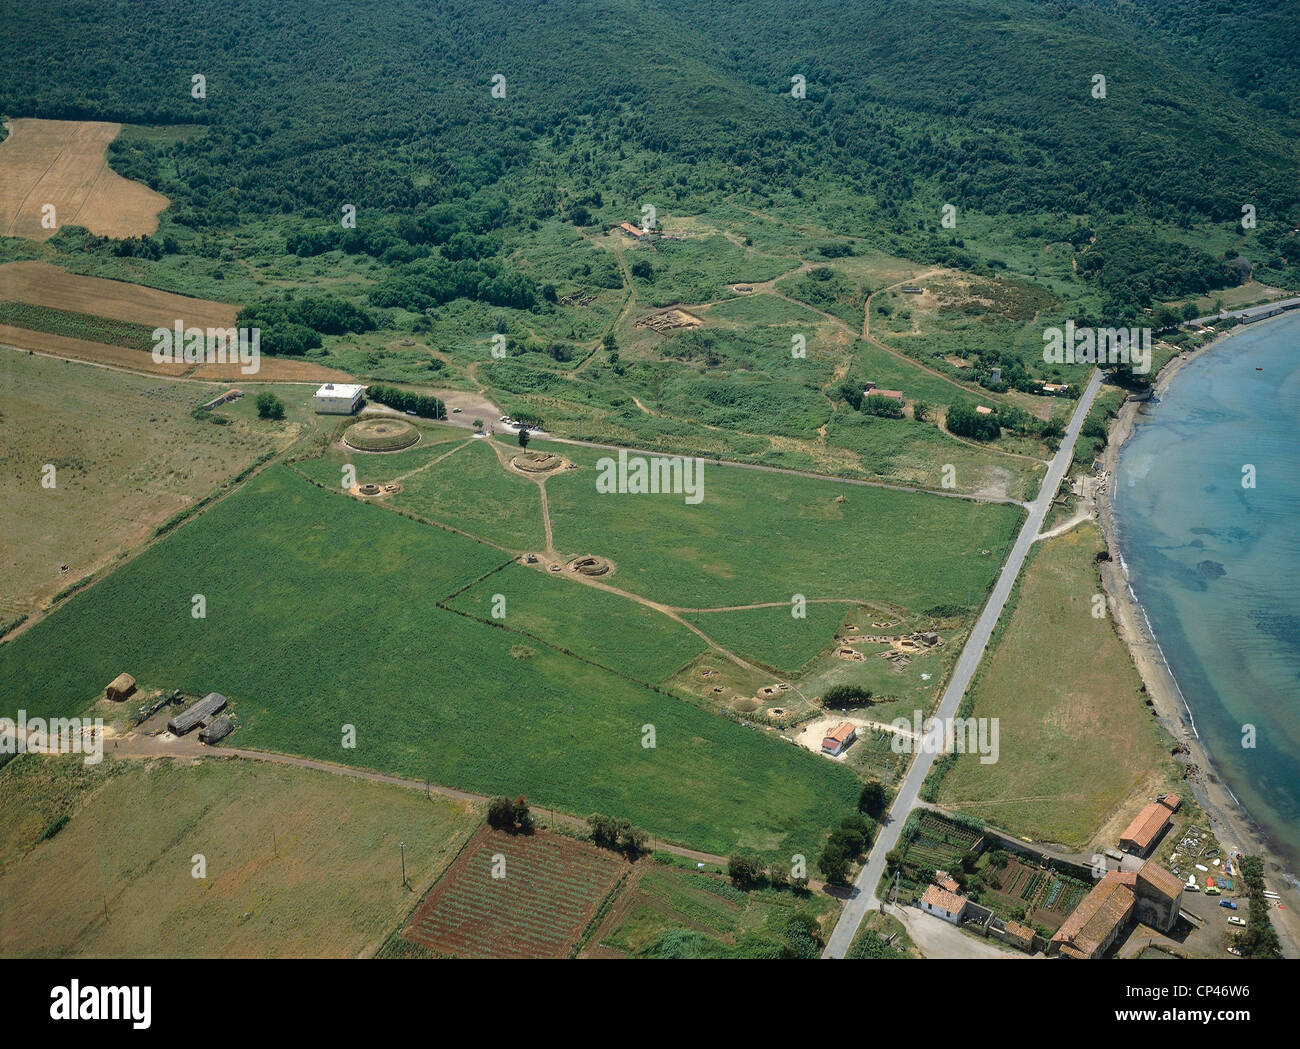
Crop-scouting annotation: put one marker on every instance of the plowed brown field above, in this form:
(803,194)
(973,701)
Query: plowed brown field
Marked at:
(63,162)
(547,889)
(46,285)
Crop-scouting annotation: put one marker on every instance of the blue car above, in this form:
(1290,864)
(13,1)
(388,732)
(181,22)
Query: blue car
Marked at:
(1230,904)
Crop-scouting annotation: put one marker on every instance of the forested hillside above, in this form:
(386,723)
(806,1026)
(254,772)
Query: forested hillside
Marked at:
(984,101)
(990,106)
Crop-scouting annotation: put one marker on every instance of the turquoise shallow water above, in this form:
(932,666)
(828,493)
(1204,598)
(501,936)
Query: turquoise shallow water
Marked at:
(1217,565)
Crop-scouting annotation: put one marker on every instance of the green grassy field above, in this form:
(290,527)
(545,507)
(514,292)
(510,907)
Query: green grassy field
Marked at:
(1075,738)
(295,577)
(451,478)
(128,455)
(773,637)
(670,912)
(756,538)
(606,628)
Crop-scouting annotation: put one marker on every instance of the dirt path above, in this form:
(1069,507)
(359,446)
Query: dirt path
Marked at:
(830,478)
(147,748)
(786,604)
(434,461)
(1064,526)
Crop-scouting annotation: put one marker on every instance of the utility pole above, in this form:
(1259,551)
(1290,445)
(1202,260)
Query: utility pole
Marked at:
(402,845)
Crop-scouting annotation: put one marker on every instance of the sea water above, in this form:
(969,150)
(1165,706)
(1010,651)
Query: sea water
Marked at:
(1207,506)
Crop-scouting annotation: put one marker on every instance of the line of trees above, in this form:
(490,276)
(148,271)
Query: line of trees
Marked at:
(846,696)
(619,834)
(405,401)
(1259,940)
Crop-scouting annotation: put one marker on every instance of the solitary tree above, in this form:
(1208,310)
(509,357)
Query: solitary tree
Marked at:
(523,436)
(269,406)
(873,798)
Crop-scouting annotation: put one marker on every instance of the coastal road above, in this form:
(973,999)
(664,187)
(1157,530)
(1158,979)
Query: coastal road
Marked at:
(863,897)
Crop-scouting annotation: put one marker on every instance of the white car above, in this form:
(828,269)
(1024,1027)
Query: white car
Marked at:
(1236,921)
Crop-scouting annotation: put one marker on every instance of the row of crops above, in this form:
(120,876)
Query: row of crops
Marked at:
(935,826)
(538,909)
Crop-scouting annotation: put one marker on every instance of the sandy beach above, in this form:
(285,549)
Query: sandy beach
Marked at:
(1231,823)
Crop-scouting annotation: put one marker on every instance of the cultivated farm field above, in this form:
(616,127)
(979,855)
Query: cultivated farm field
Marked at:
(295,576)
(43,284)
(66,297)
(515,896)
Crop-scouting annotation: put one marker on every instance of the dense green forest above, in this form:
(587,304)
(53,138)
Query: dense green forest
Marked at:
(987,102)
(478,214)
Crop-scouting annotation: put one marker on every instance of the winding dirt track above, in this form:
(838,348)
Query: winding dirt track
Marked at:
(148,748)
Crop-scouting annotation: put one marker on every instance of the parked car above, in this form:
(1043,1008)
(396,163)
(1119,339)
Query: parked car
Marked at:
(1234,920)
(1230,904)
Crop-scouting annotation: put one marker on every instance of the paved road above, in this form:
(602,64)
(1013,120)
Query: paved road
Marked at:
(863,898)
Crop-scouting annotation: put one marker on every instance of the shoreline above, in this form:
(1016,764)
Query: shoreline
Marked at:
(1231,822)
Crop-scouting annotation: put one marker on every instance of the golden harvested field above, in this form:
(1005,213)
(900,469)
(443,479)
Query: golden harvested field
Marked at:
(127,456)
(63,163)
(299,863)
(86,350)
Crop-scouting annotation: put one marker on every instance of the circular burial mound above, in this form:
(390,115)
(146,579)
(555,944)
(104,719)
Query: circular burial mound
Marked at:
(537,462)
(591,565)
(746,706)
(380,435)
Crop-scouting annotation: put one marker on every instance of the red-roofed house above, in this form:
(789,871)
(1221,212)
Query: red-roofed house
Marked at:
(949,906)
(946,881)
(837,742)
(1152,896)
(1148,825)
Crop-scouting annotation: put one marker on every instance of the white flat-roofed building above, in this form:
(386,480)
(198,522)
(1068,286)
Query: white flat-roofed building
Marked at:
(337,398)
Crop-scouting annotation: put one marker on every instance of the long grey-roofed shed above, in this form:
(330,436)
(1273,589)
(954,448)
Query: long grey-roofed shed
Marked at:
(190,719)
(218,730)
